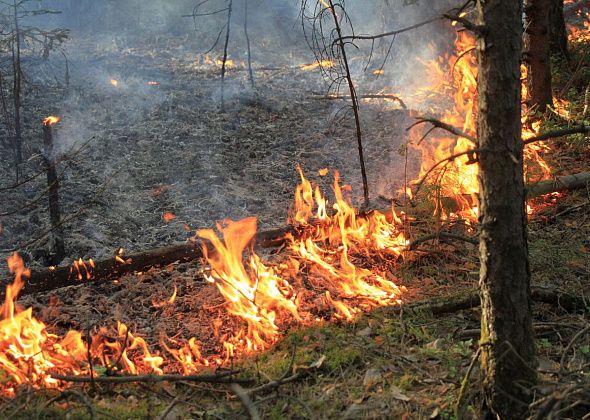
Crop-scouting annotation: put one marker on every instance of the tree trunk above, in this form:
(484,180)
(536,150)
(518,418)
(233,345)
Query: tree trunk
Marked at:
(537,53)
(558,29)
(508,352)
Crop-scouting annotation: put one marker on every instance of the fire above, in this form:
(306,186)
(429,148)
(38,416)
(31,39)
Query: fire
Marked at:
(318,64)
(168,217)
(152,83)
(229,62)
(261,294)
(578,34)
(51,120)
(458,180)
(114,82)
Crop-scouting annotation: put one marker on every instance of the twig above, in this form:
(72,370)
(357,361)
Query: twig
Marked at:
(246,401)
(354,100)
(559,133)
(81,397)
(569,346)
(464,383)
(222,378)
(350,38)
(224,60)
(250,71)
(442,235)
(444,126)
(169,409)
(586,100)
(366,96)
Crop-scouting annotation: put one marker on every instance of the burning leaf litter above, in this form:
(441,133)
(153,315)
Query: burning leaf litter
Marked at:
(320,277)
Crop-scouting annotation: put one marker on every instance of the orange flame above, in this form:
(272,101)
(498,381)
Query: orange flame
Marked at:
(51,120)
(114,82)
(318,64)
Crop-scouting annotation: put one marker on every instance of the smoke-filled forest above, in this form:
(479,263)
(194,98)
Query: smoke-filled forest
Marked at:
(294,209)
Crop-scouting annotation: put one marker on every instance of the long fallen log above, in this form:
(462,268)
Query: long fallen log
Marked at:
(119,265)
(533,190)
(561,183)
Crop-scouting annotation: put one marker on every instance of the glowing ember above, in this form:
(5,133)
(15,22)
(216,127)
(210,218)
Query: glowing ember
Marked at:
(323,172)
(114,82)
(318,64)
(52,120)
(378,72)
(168,217)
(152,83)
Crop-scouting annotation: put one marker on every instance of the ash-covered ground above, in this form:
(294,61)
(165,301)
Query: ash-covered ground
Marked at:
(158,142)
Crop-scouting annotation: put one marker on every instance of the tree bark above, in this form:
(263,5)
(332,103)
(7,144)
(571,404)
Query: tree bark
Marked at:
(508,352)
(537,53)
(558,29)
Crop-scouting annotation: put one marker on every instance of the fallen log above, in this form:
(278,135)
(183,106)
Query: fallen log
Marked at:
(116,267)
(469,299)
(120,265)
(533,190)
(561,183)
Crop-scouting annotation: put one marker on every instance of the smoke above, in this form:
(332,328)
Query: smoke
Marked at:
(158,138)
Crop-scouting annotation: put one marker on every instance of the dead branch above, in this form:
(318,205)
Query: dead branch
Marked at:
(366,96)
(558,133)
(249,50)
(224,59)
(81,397)
(113,268)
(470,299)
(569,346)
(222,378)
(441,236)
(560,183)
(350,38)
(444,126)
(246,401)
(354,100)
(119,265)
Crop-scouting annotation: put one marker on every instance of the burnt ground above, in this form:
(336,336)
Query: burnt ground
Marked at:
(168,148)
(148,150)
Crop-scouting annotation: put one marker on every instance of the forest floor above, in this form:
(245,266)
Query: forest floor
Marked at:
(168,148)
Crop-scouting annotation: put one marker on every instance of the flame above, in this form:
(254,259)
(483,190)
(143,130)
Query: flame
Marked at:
(318,64)
(51,120)
(577,33)
(261,295)
(114,82)
(458,180)
(153,83)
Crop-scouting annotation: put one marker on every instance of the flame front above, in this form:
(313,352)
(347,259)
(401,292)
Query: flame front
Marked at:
(265,297)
